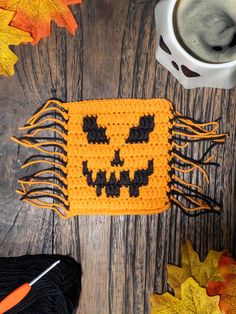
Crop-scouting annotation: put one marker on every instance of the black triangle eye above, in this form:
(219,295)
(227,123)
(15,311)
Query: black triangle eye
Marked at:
(95,133)
(140,133)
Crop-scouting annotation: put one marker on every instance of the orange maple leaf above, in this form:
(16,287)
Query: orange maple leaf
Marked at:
(9,36)
(227,288)
(35,16)
(227,265)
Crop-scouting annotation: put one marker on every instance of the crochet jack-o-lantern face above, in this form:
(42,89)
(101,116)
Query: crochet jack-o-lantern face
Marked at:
(119,155)
(119,165)
(113,157)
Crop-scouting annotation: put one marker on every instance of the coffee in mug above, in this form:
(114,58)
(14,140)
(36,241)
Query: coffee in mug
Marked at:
(207,29)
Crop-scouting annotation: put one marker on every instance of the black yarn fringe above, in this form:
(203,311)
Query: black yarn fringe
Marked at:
(186,196)
(52,193)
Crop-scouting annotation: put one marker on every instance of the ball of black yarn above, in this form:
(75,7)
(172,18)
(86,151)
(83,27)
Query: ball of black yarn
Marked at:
(56,293)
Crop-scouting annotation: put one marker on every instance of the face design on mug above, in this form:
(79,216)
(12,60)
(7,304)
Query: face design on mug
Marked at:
(117,155)
(186,71)
(173,54)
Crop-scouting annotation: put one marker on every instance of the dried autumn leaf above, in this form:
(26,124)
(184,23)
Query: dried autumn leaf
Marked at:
(9,36)
(227,292)
(202,272)
(226,289)
(227,266)
(193,300)
(35,16)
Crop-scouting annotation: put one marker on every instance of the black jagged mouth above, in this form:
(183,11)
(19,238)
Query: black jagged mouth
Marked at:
(113,185)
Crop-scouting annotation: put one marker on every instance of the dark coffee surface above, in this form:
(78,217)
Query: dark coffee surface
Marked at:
(207,29)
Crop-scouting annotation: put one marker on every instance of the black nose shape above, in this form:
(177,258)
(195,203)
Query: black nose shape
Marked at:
(117,161)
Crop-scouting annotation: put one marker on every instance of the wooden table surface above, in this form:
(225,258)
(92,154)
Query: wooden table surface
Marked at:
(112,56)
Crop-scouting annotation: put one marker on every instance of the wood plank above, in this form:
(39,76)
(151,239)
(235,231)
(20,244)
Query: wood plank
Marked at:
(23,229)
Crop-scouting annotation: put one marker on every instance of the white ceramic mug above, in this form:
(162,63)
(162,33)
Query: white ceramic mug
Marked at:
(189,71)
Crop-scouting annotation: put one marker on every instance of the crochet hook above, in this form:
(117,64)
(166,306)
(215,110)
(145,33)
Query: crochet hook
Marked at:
(21,292)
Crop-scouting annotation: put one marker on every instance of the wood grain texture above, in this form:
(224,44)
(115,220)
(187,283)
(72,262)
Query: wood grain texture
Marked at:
(112,55)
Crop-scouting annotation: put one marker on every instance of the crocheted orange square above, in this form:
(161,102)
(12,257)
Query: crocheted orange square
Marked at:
(107,157)
(118,154)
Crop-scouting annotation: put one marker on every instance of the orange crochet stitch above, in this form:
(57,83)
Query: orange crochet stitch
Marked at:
(118,156)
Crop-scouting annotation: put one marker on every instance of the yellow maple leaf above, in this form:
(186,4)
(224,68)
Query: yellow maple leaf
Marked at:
(9,36)
(35,16)
(194,300)
(202,272)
